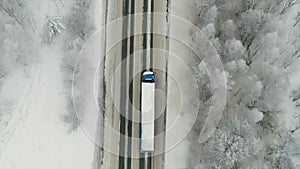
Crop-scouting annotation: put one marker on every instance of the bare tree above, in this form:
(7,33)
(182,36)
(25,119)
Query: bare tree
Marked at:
(288,4)
(78,27)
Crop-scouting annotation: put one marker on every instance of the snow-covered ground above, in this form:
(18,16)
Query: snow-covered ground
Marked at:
(34,100)
(178,156)
(15,91)
(41,139)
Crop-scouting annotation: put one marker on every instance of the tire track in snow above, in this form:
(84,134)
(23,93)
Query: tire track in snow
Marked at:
(21,110)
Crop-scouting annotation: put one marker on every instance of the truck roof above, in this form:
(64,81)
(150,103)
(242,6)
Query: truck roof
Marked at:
(147,117)
(148,76)
(148,72)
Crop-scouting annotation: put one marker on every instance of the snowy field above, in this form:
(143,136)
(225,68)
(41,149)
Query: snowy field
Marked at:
(40,138)
(34,92)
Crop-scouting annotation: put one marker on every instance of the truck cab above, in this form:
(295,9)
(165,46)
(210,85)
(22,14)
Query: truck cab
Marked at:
(148,76)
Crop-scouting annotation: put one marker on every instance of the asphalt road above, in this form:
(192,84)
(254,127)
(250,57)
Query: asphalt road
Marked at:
(136,54)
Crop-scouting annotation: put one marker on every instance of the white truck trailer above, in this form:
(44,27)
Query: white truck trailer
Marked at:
(147,112)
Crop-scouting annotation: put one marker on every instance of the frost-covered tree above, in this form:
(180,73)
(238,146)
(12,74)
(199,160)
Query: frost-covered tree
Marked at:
(6,111)
(78,28)
(297,19)
(232,146)
(15,9)
(79,22)
(17,46)
(258,44)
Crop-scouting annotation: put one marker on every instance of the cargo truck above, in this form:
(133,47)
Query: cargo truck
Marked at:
(147,112)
